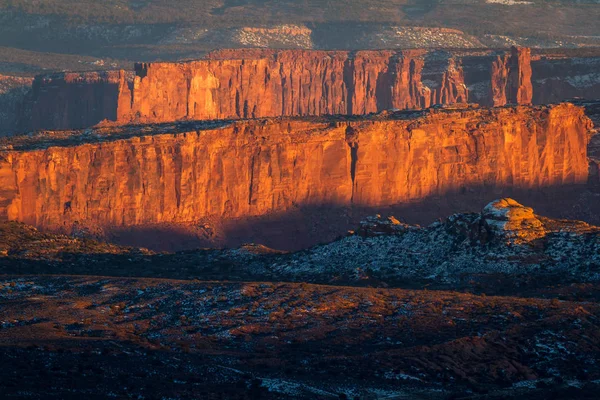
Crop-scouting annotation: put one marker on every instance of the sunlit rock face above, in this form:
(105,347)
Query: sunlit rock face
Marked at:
(511,78)
(255,83)
(513,221)
(251,84)
(234,84)
(256,167)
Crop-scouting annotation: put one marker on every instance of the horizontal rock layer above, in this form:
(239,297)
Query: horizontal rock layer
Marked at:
(263,83)
(251,168)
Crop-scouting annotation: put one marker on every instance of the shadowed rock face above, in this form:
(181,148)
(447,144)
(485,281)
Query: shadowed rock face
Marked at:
(77,100)
(252,168)
(558,78)
(234,84)
(14,91)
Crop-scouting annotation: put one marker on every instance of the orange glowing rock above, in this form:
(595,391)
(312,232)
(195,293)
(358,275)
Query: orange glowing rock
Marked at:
(507,218)
(511,78)
(238,84)
(257,167)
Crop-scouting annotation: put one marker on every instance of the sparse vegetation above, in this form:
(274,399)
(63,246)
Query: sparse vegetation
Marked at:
(499,304)
(115,30)
(371,338)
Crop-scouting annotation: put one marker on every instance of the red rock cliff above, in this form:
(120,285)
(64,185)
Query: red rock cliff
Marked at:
(252,84)
(511,78)
(257,167)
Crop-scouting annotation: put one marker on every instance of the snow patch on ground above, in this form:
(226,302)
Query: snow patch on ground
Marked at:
(509,2)
(292,388)
(584,81)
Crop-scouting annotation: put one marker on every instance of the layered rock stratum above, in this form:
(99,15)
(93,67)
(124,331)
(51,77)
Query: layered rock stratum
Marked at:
(231,84)
(256,83)
(113,177)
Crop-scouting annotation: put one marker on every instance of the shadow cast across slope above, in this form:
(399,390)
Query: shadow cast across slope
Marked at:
(306,226)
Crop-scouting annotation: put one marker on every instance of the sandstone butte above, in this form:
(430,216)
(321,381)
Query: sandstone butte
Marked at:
(255,167)
(234,84)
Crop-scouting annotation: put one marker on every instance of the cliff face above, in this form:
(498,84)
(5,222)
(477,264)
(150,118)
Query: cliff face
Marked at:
(291,83)
(77,100)
(256,167)
(251,84)
(511,78)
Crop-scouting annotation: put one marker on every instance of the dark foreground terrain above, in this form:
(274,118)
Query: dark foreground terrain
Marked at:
(379,321)
(76,336)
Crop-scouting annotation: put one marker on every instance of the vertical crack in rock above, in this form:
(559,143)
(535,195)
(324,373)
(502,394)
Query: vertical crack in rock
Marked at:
(283,86)
(188,82)
(352,140)
(251,184)
(349,72)
(384,90)
(178,175)
(141,69)
(353,162)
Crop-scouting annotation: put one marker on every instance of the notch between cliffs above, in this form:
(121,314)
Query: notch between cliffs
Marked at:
(349,81)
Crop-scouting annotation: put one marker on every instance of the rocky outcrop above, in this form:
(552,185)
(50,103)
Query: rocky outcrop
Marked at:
(378,226)
(513,221)
(258,167)
(519,87)
(517,249)
(235,84)
(256,83)
(511,78)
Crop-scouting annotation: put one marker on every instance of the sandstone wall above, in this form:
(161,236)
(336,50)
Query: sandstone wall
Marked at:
(257,167)
(262,83)
(77,100)
(511,78)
